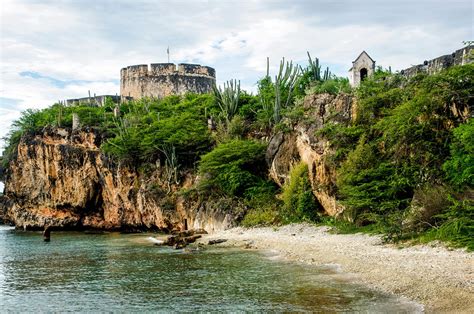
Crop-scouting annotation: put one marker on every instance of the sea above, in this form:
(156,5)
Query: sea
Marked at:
(114,272)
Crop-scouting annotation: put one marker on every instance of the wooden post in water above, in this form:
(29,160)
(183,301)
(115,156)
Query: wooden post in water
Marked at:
(47,234)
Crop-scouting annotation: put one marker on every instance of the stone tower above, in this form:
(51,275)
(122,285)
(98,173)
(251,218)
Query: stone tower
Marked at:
(362,67)
(164,79)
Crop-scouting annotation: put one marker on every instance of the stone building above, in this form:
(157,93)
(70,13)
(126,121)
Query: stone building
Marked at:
(164,79)
(362,67)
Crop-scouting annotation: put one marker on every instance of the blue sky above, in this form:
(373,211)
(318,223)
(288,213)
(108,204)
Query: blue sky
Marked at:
(52,50)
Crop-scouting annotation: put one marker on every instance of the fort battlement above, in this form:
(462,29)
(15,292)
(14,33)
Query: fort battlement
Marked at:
(164,79)
(459,57)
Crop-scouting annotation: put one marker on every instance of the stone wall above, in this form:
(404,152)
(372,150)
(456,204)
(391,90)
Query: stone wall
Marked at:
(95,100)
(459,57)
(164,79)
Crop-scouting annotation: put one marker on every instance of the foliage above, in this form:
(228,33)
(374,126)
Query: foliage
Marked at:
(228,98)
(343,138)
(233,167)
(298,199)
(457,224)
(149,125)
(459,168)
(408,137)
(263,205)
(312,74)
(367,183)
(331,86)
(58,115)
(234,129)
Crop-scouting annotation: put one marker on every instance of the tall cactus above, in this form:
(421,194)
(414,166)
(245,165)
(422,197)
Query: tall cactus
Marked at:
(315,69)
(285,83)
(228,98)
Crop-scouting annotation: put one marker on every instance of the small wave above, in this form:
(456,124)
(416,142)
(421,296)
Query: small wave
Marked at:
(155,240)
(6,227)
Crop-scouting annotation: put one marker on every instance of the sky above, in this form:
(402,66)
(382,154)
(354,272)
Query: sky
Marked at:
(54,50)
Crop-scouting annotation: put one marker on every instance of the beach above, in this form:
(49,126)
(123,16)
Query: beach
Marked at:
(439,278)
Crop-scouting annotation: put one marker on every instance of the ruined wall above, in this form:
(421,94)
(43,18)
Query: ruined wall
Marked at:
(459,57)
(164,79)
(96,101)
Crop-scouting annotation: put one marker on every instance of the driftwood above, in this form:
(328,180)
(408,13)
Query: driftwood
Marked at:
(174,239)
(181,239)
(216,241)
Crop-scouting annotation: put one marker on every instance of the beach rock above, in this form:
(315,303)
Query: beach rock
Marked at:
(216,241)
(181,241)
(47,234)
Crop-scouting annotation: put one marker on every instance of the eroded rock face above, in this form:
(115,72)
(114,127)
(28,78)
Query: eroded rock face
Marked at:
(61,179)
(302,144)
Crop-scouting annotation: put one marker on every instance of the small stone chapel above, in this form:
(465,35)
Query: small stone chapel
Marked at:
(362,67)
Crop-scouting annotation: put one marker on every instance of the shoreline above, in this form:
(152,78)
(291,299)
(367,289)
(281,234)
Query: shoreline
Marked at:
(440,279)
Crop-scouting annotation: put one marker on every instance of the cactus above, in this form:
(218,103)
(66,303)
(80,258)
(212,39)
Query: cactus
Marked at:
(228,98)
(285,83)
(315,68)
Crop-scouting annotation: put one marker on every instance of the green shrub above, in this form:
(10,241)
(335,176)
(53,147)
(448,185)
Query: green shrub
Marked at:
(262,205)
(260,217)
(456,225)
(299,203)
(148,125)
(459,168)
(233,167)
(332,86)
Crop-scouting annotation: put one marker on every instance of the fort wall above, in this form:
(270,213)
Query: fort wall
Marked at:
(459,57)
(164,79)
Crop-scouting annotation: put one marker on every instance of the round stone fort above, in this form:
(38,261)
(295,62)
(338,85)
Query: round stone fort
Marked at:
(163,79)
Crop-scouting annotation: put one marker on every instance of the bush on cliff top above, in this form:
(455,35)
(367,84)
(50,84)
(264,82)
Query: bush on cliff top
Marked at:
(148,125)
(233,167)
(407,134)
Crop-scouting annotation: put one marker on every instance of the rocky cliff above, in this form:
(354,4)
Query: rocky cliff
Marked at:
(302,144)
(60,178)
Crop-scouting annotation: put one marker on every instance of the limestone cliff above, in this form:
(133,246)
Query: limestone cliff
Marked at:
(301,144)
(60,178)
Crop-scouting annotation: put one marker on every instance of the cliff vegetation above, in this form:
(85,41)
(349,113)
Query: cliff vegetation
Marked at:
(393,156)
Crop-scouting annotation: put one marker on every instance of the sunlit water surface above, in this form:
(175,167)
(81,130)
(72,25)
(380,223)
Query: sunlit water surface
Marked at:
(118,272)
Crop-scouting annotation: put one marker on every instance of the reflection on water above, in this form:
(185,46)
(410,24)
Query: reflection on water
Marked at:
(116,272)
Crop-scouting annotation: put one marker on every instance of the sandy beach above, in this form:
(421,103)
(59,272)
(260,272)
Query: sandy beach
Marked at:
(440,279)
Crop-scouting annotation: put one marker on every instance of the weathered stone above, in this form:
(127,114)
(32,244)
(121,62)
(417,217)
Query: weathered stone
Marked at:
(60,178)
(179,241)
(303,145)
(164,79)
(191,232)
(459,57)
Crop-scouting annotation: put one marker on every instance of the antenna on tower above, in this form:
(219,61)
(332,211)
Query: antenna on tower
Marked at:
(168,52)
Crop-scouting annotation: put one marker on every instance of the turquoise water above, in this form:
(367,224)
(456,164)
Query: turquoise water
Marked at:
(117,272)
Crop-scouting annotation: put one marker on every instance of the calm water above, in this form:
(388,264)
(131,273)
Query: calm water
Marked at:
(116,272)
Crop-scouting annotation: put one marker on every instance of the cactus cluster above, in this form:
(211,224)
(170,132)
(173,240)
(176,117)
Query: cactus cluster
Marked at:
(228,98)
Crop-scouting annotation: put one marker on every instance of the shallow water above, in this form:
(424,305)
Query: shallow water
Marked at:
(117,272)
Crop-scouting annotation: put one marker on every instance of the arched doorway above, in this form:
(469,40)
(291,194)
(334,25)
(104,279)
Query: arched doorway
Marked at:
(363,74)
